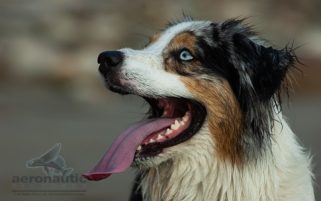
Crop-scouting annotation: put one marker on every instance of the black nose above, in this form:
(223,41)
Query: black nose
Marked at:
(110,59)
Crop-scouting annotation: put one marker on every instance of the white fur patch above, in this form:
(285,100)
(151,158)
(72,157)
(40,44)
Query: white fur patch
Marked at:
(194,173)
(143,70)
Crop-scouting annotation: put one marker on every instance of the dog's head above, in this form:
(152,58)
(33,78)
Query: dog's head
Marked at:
(203,78)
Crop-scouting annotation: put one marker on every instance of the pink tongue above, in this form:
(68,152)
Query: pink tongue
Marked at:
(121,154)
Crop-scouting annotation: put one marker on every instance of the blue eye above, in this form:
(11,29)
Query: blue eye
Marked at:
(185,55)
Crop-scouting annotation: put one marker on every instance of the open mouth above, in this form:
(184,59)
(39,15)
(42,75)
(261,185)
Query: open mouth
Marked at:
(187,118)
(171,122)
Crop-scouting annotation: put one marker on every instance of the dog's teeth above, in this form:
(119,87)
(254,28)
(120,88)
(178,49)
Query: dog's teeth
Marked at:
(175,125)
(139,148)
(151,141)
(182,123)
(160,137)
(185,118)
(168,131)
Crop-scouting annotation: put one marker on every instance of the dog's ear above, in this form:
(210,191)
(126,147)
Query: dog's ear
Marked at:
(260,68)
(255,73)
(261,71)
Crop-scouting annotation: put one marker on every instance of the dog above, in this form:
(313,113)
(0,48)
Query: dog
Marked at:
(215,131)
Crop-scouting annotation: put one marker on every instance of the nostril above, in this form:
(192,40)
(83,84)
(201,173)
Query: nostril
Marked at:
(113,61)
(110,58)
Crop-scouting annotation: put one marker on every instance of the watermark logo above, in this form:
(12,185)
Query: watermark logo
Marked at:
(51,162)
(58,178)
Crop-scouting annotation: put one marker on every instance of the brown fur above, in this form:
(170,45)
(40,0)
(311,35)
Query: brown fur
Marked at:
(184,40)
(224,116)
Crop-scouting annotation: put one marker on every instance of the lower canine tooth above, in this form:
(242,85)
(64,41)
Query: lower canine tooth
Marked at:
(139,148)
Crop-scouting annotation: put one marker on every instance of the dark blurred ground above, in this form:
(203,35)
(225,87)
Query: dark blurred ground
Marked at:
(50,90)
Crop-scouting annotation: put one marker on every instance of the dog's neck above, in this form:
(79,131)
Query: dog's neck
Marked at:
(195,180)
(198,176)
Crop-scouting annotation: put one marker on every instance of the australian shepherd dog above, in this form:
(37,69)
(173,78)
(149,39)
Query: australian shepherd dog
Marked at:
(215,131)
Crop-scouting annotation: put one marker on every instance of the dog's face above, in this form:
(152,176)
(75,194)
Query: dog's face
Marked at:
(214,80)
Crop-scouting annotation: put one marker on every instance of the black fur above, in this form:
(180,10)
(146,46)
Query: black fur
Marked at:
(254,72)
(136,194)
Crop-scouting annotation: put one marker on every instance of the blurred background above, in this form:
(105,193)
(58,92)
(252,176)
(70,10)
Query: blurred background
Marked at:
(50,89)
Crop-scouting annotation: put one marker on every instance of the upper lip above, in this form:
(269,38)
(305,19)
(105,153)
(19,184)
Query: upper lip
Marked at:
(112,82)
(118,89)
